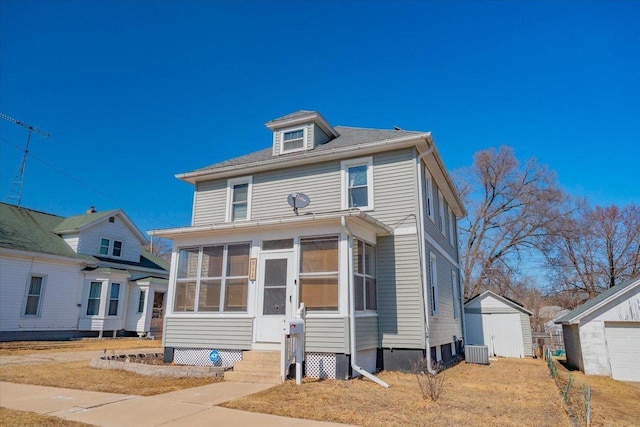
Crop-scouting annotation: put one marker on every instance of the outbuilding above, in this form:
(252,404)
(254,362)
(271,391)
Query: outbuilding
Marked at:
(500,323)
(602,336)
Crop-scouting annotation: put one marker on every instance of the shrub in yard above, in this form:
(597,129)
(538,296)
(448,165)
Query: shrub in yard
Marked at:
(431,381)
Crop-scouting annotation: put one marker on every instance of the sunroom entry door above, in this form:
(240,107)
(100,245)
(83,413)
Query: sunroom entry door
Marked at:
(275,296)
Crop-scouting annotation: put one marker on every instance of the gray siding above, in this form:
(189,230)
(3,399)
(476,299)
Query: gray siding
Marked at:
(432,227)
(210,202)
(366,333)
(319,137)
(233,334)
(526,334)
(394,186)
(327,335)
(400,306)
(443,327)
(321,182)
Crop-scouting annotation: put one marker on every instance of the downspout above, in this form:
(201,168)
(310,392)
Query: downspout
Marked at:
(423,262)
(352,310)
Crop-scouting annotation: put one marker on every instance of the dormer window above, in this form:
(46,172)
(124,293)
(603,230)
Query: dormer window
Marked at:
(293,140)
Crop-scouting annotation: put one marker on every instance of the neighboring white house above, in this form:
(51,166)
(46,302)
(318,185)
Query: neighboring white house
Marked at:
(602,336)
(78,276)
(501,324)
(374,255)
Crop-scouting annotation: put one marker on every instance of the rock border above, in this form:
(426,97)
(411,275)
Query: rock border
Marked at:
(123,363)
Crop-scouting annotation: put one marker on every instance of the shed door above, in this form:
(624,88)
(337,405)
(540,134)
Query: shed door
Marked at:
(506,335)
(623,344)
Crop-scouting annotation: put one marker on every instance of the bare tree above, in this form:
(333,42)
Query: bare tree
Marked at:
(510,208)
(160,247)
(594,250)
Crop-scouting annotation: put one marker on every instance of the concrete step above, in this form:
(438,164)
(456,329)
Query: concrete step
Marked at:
(262,356)
(257,367)
(252,377)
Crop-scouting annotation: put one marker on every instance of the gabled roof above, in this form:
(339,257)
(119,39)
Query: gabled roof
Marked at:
(32,231)
(504,300)
(575,315)
(78,223)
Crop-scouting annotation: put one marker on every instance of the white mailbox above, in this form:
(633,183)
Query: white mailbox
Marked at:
(293,327)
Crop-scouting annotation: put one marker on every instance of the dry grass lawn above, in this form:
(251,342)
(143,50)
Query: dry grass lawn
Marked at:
(19,348)
(13,418)
(510,392)
(78,375)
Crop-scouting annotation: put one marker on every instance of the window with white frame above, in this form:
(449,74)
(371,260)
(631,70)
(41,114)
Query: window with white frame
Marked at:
(357,183)
(452,227)
(93,304)
(109,247)
(105,244)
(441,212)
(456,294)
(213,279)
(433,284)
(114,298)
(117,248)
(293,140)
(239,199)
(428,188)
(319,273)
(364,276)
(34,296)
(141,301)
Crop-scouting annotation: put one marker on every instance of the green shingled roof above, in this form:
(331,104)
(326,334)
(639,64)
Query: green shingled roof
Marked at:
(74,223)
(32,231)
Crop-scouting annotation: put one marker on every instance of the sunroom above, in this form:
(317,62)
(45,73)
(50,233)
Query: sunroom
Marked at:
(232,286)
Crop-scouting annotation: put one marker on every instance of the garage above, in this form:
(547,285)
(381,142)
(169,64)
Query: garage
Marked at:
(623,344)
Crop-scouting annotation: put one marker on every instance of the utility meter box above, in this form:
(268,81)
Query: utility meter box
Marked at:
(293,327)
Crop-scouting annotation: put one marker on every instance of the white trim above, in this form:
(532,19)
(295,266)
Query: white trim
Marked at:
(40,296)
(344,188)
(439,248)
(429,190)
(232,182)
(305,134)
(404,231)
(433,284)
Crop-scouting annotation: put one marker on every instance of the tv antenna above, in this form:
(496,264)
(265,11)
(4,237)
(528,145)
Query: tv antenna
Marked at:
(15,192)
(298,200)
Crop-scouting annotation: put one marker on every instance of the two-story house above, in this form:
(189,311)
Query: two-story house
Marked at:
(84,275)
(373,256)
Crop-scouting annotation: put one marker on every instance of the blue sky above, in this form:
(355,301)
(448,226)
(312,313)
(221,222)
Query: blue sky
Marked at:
(134,92)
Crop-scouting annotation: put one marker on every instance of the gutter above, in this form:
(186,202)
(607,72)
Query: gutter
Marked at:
(352,312)
(423,261)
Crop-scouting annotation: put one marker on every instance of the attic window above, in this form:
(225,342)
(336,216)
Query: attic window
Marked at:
(293,140)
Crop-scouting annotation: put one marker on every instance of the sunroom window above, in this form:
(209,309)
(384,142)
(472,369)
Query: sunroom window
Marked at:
(364,276)
(213,279)
(319,273)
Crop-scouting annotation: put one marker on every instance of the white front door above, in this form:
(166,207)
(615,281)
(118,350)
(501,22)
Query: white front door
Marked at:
(275,295)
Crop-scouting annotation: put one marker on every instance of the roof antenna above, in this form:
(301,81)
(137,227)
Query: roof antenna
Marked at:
(298,200)
(15,192)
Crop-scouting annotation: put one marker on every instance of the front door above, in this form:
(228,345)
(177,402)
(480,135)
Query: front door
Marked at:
(275,296)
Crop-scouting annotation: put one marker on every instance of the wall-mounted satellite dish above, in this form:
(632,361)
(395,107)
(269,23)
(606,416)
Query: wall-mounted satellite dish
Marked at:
(298,200)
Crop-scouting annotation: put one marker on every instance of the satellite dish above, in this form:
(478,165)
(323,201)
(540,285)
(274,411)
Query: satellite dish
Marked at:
(298,200)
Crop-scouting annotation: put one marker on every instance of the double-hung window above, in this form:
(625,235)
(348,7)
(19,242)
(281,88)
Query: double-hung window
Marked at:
(141,301)
(114,298)
(93,304)
(456,294)
(452,227)
(292,140)
(364,276)
(441,212)
(117,248)
(110,247)
(357,183)
(428,189)
(213,279)
(433,279)
(239,199)
(34,296)
(105,244)
(319,273)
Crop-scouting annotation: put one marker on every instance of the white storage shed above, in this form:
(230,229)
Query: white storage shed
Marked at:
(602,336)
(499,323)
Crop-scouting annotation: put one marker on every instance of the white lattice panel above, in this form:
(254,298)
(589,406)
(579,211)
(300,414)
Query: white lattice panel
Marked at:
(200,357)
(367,359)
(321,365)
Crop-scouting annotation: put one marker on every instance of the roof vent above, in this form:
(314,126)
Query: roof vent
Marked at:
(91,210)
(112,219)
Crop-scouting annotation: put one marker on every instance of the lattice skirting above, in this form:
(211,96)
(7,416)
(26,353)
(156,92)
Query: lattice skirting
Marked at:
(367,359)
(320,365)
(200,357)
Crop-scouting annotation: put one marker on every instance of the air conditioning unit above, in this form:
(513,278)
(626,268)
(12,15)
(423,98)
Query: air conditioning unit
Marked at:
(476,354)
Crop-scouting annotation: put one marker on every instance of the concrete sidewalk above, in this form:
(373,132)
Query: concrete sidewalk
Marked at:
(190,407)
